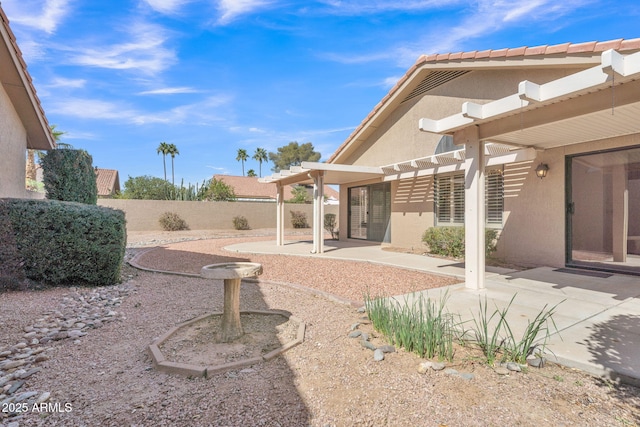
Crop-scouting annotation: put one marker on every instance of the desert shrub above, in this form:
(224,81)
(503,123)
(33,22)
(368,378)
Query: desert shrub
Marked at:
(299,219)
(449,241)
(69,176)
(11,272)
(65,243)
(241,223)
(330,225)
(171,221)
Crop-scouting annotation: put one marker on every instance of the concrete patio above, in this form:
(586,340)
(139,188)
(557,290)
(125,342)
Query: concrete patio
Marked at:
(598,316)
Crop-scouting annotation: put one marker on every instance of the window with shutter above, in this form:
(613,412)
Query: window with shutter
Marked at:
(449,198)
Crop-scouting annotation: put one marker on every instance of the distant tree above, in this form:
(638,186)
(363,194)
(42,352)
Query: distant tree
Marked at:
(31,157)
(242,157)
(261,156)
(251,173)
(293,154)
(220,191)
(300,194)
(147,188)
(164,149)
(173,151)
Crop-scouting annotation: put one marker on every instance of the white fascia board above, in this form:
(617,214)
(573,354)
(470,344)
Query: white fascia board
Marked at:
(446,124)
(336,167)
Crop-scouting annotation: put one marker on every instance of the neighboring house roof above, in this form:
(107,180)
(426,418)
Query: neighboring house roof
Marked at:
(248,187)
(414,83)
(17,82)
(108,182)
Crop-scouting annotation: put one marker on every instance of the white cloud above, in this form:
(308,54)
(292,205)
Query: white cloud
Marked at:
(166,6)
(360,7)
(61,82)
(490,16)
(43,15)
(231,9)
(169,91)
(91,109)
(145,52)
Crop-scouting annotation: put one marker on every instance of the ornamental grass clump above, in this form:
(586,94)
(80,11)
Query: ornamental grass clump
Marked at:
(422,327)
(497,341)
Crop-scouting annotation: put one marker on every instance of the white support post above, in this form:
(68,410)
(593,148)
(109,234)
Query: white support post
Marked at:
(474,214)
(321,213)
(279,215)
(316,208)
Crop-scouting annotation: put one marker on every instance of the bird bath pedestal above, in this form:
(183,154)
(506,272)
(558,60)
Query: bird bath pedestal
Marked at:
(232,273)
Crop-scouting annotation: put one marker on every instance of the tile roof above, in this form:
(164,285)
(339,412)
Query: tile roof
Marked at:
(108,182)
(12,44)
(248,187)
(566,49)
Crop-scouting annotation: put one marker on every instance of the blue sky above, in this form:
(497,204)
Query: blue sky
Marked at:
(213,76)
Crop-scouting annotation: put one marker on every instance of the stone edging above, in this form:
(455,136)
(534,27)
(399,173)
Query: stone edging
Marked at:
(189,370)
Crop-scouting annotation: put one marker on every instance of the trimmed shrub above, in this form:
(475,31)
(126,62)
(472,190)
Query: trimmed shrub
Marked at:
(69,176)
(299,219)
(64,243)
(241,223)
(449,241)
(330,225)
(11,274)
(171,221)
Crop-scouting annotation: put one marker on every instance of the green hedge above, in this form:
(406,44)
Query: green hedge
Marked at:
(449,241)
(65,243)
(69,176)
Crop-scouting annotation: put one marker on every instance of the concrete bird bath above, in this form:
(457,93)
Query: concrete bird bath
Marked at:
(232,273)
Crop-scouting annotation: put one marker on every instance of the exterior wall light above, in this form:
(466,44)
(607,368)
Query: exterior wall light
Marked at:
(541,170)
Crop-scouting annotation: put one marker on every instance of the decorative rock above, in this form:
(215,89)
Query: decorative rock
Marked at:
(451,371)
(362,309)
(367,344)
(467,376)
(501,370)
(535,361)
(30,334)
(365,336)
(437,366)
(355,334)
(355,326)
(514,367)
(26,395)
(424,367)
(378,355)
(15,386)
(388,349)
(43,397)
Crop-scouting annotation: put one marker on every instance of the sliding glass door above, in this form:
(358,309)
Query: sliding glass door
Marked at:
(370,212)
(603,210)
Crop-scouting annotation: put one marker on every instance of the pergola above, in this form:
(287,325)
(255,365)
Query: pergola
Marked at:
(597,103)
(317,174)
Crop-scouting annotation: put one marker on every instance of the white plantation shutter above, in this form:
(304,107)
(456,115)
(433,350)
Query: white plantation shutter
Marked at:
(449,198)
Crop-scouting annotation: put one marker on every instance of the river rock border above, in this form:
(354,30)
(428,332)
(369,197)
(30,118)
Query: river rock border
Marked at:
(79,312)
(161,363)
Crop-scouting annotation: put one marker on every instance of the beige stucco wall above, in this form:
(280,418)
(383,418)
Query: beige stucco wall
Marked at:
(143,215)
(398,138)
(13,146)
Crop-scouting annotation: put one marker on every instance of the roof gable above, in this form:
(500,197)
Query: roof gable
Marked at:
(108,181)
(17,82)
(430,70)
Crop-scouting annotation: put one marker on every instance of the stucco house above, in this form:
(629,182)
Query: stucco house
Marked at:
(540,143)
(23,124)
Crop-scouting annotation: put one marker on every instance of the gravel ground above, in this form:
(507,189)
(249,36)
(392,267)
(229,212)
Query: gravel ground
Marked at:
(329,380)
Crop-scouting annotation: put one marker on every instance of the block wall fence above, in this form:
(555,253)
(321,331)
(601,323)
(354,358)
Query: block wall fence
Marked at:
(143,215)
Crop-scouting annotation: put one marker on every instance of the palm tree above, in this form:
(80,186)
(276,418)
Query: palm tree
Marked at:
(242,157)
(173,150)
(164,149)
(251,173)
(261,156)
